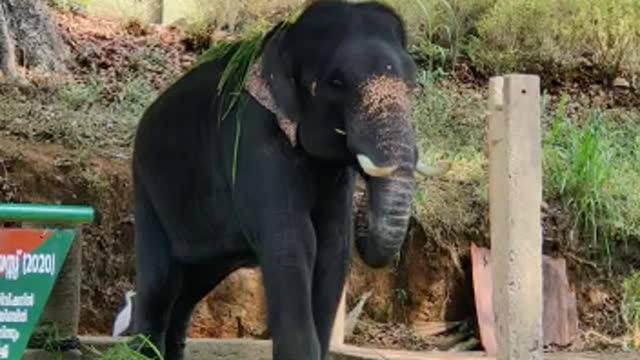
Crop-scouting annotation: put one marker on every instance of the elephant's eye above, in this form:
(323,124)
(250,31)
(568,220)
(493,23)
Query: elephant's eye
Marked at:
(336,82)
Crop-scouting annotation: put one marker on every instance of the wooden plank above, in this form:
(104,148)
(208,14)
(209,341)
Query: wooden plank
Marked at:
(515,196)
(240,349)
(348,352)
(560,319)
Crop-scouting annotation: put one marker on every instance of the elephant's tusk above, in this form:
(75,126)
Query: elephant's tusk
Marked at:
(428,171)
(371,169)
(340,131)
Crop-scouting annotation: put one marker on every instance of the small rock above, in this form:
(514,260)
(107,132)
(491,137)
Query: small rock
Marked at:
(598,297)
(621,83)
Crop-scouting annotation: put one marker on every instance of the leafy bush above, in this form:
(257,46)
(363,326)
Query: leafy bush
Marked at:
(517,35)
(543,35)
(540,36)
(608,33)
(438,29)
(82,95)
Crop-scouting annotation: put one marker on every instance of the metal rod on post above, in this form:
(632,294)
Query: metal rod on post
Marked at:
(515,196)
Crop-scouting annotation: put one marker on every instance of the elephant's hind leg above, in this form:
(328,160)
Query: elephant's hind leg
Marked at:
(199,280)
(158,277)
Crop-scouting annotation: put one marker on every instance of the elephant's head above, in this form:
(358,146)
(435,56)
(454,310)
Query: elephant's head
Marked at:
(340,81)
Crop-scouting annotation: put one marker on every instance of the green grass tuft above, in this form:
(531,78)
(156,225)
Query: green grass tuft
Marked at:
(631,308)
(589,168)
(125,351)
(580,167)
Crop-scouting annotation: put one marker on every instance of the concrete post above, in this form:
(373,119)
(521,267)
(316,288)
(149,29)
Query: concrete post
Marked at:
(337,335)
(515,195)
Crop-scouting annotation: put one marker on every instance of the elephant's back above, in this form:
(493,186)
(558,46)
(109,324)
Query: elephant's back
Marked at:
(177,162)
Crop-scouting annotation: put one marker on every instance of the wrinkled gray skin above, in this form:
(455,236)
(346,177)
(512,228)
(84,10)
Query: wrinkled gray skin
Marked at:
(330,99)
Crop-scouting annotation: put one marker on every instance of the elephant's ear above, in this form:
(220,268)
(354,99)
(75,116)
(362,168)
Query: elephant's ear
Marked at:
(272,84)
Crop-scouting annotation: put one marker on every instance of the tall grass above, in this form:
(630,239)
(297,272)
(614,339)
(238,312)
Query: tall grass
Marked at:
(434,30)
(589,172)
(631,308)
(547,35)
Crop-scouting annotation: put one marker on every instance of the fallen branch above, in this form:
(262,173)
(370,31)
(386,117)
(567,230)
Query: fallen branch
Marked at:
(603,338)
(580,260)
(435,328)
(451,341)
(467,345)
(354,314)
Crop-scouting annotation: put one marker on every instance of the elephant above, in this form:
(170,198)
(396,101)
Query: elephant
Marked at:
(328,98)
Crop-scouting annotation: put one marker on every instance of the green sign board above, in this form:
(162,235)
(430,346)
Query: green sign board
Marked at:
(30,261)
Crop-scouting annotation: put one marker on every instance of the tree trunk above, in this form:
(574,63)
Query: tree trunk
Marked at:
(29,38)
(7,49)
(155,9)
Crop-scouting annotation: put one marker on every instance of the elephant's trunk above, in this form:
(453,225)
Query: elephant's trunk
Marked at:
(389,210)
(383,138)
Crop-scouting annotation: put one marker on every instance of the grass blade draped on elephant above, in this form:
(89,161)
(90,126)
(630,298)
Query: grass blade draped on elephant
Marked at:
(270,184)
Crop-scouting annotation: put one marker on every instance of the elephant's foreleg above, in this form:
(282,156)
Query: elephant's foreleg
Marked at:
(329,278)
(287,261)
(332,263)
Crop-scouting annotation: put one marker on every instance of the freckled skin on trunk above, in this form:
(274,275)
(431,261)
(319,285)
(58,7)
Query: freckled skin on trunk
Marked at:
(383,132)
